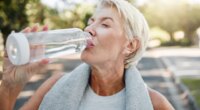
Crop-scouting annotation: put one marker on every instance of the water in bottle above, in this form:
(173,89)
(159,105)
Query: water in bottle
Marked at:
(23,48)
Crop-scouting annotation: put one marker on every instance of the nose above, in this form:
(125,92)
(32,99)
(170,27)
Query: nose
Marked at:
(90,29)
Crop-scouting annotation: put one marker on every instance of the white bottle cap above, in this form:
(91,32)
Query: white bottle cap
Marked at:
(18,49)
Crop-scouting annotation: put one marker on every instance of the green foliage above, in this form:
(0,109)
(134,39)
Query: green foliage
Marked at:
(35,12)
(193,85)
(131,1)
(12,15)
(169,15)
(69,18)
(173,15)
(185,42)
(162,13)
(157,33)
(18,14)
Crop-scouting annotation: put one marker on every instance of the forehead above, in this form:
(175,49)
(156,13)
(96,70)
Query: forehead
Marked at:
(110,12)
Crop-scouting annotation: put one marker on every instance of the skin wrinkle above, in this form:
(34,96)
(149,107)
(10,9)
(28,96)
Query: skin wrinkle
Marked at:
(107,69)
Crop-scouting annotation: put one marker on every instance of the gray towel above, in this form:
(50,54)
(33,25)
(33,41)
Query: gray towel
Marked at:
(67,93)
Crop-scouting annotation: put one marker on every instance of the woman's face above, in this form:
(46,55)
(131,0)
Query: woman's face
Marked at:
(108,39)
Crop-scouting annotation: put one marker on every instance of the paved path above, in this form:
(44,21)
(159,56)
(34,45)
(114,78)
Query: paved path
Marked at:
(183,62)
(179,62)
(154,72)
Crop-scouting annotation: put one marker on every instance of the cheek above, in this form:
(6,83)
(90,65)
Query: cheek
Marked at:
(107,45)
(106,38)
(112,47)
(109,41)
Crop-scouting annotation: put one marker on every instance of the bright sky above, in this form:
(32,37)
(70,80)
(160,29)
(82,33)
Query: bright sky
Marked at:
(59,3)
(54,3)
(194,1)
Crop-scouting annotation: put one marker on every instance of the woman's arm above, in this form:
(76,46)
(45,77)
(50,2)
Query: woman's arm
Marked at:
(8,95)
(159,101)
(14,78)
(13,81)
(34,102)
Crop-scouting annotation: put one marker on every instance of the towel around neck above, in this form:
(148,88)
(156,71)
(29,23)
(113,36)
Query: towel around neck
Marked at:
(67,93)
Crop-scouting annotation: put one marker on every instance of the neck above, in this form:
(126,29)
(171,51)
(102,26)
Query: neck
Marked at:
(107,80)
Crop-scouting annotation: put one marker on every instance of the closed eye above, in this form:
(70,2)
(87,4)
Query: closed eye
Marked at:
(105,25)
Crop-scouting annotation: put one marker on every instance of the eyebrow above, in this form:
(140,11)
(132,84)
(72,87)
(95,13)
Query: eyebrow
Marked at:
(102,19)
(105,18)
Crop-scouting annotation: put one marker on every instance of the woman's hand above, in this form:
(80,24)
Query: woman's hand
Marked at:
(15,77)
(19,75)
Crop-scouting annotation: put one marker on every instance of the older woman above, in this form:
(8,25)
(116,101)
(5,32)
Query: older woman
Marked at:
(108,79)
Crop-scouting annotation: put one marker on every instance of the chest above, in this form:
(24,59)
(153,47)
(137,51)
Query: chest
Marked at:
(92,101)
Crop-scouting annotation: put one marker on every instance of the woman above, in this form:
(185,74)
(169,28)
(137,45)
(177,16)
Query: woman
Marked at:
(108,80)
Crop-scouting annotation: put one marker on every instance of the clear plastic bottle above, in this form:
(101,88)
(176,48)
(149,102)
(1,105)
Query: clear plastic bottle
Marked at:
(23,48)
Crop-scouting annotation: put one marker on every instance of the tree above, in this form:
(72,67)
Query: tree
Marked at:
(18,14)
(190,21)
(172,16)
(35,12)
(76,16)
(163,14)
(13,15)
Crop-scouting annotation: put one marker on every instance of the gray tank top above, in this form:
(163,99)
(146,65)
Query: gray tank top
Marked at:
(92,101)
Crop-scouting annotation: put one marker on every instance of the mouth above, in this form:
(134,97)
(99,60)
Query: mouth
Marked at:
(90,43)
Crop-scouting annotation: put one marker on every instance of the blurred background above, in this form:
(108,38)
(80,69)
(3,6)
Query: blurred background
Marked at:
(171,64)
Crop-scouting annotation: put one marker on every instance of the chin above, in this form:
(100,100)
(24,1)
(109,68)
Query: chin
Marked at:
(84,56)
(87,58)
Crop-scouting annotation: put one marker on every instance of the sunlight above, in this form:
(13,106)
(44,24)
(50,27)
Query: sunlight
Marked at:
(24,94)
(194,1)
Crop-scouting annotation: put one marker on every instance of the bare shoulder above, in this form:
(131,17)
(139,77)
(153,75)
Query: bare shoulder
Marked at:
(159,101)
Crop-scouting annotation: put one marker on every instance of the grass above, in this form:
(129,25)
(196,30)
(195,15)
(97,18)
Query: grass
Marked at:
(194,87)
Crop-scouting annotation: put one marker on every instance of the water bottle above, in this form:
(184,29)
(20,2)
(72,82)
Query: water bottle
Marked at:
(23,48)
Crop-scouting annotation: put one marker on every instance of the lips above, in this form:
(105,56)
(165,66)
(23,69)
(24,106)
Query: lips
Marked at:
(90,44)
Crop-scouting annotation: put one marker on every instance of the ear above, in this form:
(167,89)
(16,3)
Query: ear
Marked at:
(131,47)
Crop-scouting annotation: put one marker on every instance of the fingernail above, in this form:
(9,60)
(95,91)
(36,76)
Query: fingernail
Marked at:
(45,61)
(35,27)
(45,27)
(26,30)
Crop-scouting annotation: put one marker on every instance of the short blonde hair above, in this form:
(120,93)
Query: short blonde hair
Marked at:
(134,25)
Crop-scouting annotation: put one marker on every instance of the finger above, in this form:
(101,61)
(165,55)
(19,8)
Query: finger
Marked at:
(5,53)
(6,62)
(35,68)
(45,27)
(7,65)
(37,51)
(33,51)
(45,61)
(26,30)
(35,28)
(44,69)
